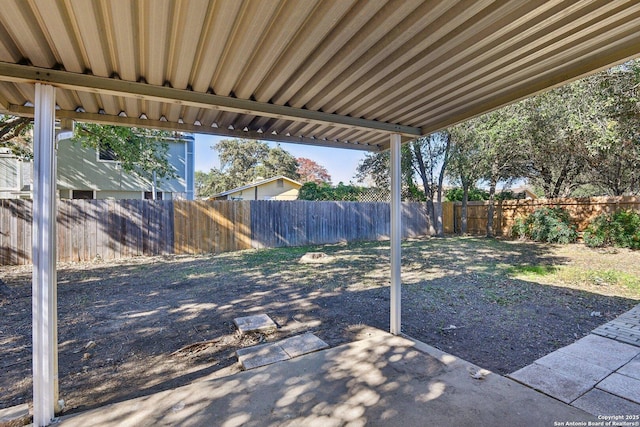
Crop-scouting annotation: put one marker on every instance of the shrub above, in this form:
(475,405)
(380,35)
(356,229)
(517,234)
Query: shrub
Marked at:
(597,234)
(475,194)
(620,229)
(551,225)
(324,191)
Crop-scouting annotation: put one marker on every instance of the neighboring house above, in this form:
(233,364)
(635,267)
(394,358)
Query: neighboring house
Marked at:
(87,173)
(15,176)
(276,188)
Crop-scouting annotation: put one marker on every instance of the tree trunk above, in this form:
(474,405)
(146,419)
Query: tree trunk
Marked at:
(492,193)
(447,150)
(464,214)
(431,211)
(428,191)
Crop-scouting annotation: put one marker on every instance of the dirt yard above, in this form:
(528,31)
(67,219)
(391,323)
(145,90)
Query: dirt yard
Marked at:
(142,325)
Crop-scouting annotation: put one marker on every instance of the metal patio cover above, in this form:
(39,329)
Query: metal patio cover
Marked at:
(327,72)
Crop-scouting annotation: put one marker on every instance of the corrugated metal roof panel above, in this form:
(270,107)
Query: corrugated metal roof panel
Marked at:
(326,72)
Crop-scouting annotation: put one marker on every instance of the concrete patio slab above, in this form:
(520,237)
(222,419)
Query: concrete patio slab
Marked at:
(601,351)
(573,367)
(602,403)
(621,385)
(381,381)
(631,369)
(302,344)
(625,328)
(601,374)
(552,382)
(258,322)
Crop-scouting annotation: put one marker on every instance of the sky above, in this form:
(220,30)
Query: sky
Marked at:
(340,163)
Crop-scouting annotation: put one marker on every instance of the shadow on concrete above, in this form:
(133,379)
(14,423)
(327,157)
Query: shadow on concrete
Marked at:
(380,381)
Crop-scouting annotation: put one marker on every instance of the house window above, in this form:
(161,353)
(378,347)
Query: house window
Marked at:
(280,183)
(148,195)
(9,173)
(106,154)
(82,194)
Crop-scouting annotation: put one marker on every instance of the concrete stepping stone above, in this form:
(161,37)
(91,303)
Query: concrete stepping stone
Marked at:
(258,322)
(266,354)
(15,416)
(261,355)
(302,344)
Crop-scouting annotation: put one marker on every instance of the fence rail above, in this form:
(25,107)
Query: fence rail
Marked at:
(113,229)
(581,210)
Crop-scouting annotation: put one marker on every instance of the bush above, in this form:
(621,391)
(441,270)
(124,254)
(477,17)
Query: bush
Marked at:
(475,194)
(324,191)
(620,229)
(551,225)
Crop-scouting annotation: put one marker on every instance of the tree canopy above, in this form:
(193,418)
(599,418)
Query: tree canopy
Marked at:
(325,191)
(422,165)
(582,138)
(310,171)
(138,150)
(15,134)
(243,161)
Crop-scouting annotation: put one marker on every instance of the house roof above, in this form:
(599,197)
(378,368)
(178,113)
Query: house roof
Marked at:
(258,184)
(343,73)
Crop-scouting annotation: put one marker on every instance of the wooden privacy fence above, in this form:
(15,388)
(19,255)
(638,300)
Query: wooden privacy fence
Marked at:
(304,222)
(89,229)
(581,210)
(112,229)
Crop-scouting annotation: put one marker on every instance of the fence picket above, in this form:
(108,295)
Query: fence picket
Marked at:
(115,229)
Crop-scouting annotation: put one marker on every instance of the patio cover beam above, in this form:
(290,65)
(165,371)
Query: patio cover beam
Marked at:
(24,111)
(113,86)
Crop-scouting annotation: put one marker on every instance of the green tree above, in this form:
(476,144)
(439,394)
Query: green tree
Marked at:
(423,160)
(278,162)
(584,138)
(553,137)
(208,184)
(243,161)
(493,146)
(375,167)
(139,151)
(613,152)
(325,191)
(467,165)
(15,134)
(473,194)
(430,156)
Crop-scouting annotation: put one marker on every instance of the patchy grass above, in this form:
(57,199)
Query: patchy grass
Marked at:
(531,271)
(499,304)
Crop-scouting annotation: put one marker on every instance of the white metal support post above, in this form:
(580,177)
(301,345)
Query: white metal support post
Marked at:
(396,236)
(44,257)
